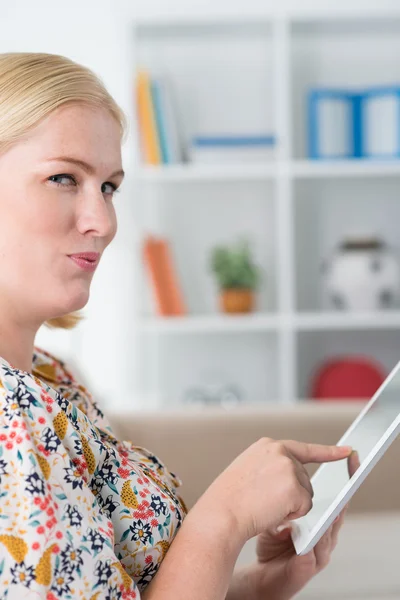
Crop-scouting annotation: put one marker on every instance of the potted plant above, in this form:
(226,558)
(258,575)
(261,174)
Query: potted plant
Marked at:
(237,275)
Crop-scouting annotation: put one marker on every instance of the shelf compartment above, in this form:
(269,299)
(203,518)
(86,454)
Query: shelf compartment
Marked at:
(196,219)
(221,77)
(313,348)
(245,360)
(326,211)
(339,53)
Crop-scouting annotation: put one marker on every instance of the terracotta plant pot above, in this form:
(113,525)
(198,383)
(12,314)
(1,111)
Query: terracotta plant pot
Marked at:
(237,300)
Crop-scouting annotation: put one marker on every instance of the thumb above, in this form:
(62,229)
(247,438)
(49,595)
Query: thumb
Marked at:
(283,532)
(316,453)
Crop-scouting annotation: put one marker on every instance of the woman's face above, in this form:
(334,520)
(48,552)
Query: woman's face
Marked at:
(52,208)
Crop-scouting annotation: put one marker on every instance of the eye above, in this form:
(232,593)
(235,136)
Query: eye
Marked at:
(52,178)
(62,176)
(114,188)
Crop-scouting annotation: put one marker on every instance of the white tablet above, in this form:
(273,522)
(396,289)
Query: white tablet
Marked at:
(371,434)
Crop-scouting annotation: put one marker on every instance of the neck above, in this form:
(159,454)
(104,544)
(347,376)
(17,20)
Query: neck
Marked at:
(17,344)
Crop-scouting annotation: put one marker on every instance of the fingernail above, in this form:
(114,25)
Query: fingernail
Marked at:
(281,528)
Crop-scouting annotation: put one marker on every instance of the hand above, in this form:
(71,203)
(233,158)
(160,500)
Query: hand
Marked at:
(265,485)
(281,573)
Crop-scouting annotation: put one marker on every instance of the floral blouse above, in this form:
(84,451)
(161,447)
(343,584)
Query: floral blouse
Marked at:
(82,515)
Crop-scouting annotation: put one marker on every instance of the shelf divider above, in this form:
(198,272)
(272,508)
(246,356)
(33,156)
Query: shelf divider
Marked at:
(284,209)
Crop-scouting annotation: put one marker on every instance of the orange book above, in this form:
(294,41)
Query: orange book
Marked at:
(164,281)
(177,305)
(153,267)
(147,120)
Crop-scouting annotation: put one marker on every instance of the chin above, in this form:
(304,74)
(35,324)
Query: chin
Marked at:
(81,303)
(75,303)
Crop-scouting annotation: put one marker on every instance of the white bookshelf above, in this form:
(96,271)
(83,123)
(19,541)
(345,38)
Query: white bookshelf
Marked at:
(294,208)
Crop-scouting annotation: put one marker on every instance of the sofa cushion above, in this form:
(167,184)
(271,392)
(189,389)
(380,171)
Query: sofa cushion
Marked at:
(198,444)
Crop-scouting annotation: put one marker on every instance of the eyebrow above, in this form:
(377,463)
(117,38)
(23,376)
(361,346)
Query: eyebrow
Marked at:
(83,165)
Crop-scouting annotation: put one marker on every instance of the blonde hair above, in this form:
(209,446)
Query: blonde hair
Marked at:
(32,85)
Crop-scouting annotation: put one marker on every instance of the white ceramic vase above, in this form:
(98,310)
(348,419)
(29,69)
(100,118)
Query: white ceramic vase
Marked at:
(363,274)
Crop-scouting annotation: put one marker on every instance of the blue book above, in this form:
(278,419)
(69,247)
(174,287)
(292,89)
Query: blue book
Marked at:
(238,141)
(334,124)
(159,116)
(381,122)
(167,120)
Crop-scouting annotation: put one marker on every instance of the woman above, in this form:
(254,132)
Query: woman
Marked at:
(84,515)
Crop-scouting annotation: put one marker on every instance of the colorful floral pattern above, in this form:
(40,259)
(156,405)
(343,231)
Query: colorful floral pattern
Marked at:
(82,515)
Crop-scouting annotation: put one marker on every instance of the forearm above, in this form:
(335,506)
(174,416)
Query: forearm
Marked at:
(200,561)
(244,584)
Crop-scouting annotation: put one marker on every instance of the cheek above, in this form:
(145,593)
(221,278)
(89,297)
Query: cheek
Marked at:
(33,230)
(41,236)
(28,241)
(18,233)
(114,226)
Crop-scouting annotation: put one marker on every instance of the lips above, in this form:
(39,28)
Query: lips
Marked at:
(91,257)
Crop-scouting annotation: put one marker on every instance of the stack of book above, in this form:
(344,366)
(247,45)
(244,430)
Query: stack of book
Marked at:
(163,278)
(157,116)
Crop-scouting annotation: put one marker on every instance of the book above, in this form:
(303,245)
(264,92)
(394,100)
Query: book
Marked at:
(167,116)
(232,149)
(237,141)
(147,120)
(156,93)
(163,277)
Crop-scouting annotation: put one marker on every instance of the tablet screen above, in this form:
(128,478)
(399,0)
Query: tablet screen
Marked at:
(332,477)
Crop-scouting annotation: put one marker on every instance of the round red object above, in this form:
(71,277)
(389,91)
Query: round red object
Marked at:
(347,378)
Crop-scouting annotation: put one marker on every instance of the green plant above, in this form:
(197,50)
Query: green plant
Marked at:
(233,266)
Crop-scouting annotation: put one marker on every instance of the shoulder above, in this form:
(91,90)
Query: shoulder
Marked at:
(68,381)
(47,365)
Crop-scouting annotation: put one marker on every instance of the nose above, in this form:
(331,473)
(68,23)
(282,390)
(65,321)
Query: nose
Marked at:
(96,214)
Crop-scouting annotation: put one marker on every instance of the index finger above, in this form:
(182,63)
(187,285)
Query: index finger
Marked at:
(316,453)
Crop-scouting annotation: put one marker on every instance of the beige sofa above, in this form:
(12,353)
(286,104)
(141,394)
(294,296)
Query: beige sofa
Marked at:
(198,445)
